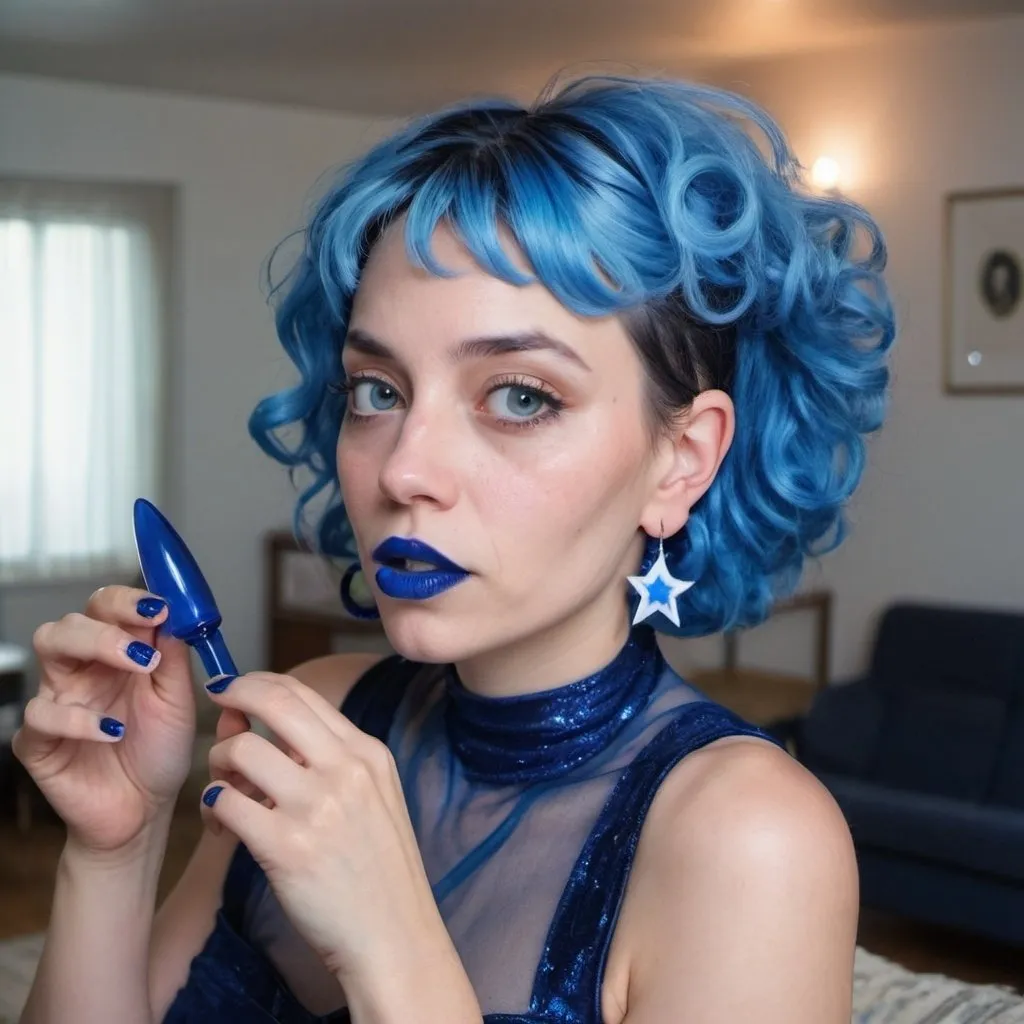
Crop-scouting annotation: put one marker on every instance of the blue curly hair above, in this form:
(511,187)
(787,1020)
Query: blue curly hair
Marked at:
(649,199)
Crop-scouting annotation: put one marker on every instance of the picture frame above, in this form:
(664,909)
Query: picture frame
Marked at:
(984,292)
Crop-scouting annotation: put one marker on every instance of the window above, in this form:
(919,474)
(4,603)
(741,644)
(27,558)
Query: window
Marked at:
(83,311)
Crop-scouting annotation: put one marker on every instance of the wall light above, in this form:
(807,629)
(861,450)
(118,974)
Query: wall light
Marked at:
(825,173)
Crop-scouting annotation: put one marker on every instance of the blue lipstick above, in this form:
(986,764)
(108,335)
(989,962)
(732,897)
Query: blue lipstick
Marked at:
(411,570)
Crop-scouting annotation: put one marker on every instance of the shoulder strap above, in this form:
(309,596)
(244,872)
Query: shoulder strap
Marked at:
(370,704)
(568,981)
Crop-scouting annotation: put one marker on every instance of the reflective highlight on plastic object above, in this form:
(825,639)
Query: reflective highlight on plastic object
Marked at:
(170,570)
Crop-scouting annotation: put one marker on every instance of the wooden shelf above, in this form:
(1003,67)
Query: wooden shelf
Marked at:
(757,697)
(297,633)
(761,697)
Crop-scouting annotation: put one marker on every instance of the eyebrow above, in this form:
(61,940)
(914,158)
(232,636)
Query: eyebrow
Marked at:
(475,348)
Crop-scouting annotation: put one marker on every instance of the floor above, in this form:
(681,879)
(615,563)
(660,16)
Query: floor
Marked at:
(28,866)
(929,949)
(28,863)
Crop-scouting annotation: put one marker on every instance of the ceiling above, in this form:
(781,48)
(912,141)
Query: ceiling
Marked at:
(401,56)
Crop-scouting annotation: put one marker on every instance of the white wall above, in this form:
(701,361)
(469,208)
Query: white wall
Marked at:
(941,511)
(243,174)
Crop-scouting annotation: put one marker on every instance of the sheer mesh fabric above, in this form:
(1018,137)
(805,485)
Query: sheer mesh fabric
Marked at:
(498,853)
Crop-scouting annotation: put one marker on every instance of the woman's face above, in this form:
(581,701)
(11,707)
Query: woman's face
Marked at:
(491,423)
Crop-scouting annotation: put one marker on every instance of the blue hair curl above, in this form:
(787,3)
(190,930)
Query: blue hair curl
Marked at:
(647,198)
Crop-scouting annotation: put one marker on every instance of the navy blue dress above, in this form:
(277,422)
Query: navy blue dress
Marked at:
(527,811)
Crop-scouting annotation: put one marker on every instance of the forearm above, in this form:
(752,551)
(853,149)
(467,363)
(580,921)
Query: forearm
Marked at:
(94,967)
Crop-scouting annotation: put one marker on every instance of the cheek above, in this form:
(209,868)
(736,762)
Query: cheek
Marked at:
(552,493)
(358,473)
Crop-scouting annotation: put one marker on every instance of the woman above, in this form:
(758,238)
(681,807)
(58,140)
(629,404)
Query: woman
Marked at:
(580,370)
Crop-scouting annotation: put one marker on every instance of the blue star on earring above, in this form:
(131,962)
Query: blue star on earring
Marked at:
(658,590)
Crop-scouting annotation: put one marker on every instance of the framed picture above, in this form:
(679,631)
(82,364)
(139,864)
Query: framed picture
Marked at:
(984,292)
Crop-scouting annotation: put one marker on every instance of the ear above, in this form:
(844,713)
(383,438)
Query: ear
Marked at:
(688,462)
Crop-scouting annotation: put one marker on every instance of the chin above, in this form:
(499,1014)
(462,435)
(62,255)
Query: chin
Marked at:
(420,633)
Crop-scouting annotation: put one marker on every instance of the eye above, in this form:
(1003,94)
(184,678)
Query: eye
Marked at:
(520,401)
(369,396)
(516,402)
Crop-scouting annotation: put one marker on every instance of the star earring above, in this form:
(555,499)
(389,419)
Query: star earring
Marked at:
(659,590)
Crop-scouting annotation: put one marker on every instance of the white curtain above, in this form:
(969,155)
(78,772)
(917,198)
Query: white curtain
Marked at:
(81,344)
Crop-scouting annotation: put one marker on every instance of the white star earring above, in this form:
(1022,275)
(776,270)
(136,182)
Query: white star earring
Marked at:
(659,589)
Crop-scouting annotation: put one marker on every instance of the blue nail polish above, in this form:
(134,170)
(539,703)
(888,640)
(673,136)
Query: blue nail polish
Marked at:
(150,607)
(210,796)
(112,727)
(140,653)
(220,685)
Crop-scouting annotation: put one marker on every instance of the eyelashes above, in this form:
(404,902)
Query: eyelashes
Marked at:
(536,401)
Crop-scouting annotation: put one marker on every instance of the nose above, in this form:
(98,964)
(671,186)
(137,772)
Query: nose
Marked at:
(421,467)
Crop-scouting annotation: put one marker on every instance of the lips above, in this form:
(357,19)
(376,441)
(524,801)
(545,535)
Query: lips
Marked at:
(407,552)
(412,570)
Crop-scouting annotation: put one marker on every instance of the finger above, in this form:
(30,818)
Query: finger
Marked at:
(230,723)
(330,715)
(262,765)
(321,707)
(366,747)
(222,806)
(126,606)
(274,701)
(77,638)
(46,721)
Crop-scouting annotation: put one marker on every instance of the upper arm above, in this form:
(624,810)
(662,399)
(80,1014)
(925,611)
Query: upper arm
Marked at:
(746,896)
(187,916)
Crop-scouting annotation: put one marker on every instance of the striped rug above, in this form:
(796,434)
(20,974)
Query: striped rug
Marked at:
(885,993)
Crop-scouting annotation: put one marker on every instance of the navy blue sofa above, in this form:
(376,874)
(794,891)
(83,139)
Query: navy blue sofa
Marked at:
(925,756)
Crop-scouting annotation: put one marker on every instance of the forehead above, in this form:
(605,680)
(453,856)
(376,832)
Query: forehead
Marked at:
(395,294)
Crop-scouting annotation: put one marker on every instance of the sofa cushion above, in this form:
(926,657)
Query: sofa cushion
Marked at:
(1007,787)
(949,647)
(940,742)
(841,730)
(986,839)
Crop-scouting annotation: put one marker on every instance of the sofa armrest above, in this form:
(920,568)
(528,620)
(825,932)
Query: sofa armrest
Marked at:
(840,733)
(787,732)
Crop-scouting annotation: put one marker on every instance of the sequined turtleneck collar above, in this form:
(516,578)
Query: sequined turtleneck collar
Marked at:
(533,737)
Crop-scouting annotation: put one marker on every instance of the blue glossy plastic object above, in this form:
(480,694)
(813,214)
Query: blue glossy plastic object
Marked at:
(171,572)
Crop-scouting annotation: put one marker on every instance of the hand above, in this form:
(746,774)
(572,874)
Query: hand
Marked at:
(327,822)
(108,738)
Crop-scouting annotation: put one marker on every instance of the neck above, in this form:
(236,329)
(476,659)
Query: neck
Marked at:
(560,653)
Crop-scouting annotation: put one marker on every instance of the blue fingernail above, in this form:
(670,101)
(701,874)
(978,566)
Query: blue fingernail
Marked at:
(210,796)
(140,653)
(220,685)
(112,727)
(150,607)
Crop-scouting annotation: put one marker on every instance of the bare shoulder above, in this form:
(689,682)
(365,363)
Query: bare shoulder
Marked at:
(742,809)
(742,797)
(745,868)
(334,675)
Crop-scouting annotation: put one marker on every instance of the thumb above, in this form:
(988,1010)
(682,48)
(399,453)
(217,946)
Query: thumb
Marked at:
(172,678)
